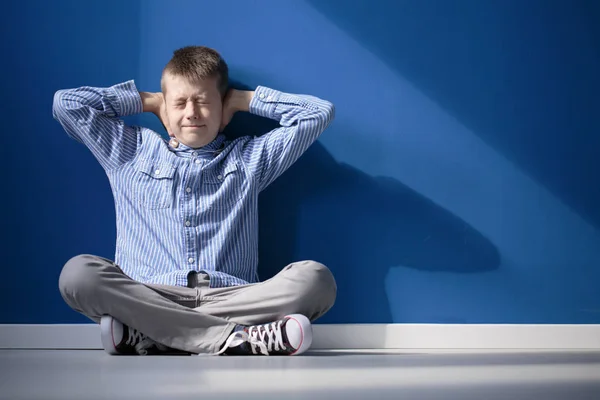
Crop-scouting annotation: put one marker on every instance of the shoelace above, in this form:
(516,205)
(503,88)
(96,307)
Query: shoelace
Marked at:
(263,340)
(134,337)
(270,335)
(142,343)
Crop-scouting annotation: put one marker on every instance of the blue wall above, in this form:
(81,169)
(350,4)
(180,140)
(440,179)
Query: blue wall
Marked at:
(458,183)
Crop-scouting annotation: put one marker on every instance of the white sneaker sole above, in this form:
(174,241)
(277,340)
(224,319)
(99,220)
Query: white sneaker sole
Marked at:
(305,332)
(106,333)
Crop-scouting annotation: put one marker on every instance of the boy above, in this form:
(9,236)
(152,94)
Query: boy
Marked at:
(184,276)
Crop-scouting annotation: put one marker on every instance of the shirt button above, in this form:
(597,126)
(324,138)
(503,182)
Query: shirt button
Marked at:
(190,260)
(188,190)
(262,95)
(197,161)
(220,177)
(187,223)
(194,154)
(157,171)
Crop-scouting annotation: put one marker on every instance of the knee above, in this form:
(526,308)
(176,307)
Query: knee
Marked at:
(79,277)
(318,288)
(320,277)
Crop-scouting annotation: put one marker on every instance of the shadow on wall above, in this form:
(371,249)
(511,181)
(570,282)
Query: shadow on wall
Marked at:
(522,75)
(359,226)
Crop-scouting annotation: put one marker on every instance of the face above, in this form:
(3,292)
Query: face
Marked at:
(193,110)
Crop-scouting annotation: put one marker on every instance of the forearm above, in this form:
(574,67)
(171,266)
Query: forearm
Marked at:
(115,101)
(91,115)
(302,112)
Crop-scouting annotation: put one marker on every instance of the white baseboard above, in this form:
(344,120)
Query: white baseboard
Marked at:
(351,336)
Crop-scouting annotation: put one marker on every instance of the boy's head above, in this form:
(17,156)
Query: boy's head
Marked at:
(194,83)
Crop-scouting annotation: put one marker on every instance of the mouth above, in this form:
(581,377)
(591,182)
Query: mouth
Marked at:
(193,126)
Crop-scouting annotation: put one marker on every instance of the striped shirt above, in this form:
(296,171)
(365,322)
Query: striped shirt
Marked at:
(182,209)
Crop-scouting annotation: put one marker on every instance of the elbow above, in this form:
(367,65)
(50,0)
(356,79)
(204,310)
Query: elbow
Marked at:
(65,102)
(328,112)
(58,104)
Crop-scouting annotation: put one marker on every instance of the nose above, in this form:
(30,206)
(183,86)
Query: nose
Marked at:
(191,113)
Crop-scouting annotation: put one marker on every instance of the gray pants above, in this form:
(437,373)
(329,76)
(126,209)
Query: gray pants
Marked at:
(196,319)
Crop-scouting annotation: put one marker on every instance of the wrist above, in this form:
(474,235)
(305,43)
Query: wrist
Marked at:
(150,102)
(242,100)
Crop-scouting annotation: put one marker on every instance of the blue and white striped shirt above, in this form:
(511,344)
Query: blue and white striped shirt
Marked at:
(181,209)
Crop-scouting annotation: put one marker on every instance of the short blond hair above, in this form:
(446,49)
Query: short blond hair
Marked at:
(197,63)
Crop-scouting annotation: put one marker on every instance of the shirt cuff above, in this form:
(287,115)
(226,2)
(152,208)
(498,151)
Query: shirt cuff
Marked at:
(129,101)
(264,102)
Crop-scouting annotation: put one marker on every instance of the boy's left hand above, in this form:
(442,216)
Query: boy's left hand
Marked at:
(234,101)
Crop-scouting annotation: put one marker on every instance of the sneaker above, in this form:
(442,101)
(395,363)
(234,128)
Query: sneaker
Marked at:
(119,339)
(289,336)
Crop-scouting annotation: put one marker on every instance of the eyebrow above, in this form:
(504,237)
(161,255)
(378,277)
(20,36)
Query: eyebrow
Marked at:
(197,96)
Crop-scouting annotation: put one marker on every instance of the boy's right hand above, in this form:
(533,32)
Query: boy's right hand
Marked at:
(162,113)
(155,103)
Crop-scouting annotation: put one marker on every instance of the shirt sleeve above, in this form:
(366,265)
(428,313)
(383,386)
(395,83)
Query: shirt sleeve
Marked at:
(92,117)
(302,118)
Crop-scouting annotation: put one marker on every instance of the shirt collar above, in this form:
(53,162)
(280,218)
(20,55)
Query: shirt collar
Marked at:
(207,151)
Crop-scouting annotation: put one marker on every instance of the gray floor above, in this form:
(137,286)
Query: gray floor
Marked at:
(83,374)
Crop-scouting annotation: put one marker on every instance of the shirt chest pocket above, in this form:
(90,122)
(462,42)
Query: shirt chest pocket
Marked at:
(154,183)
(223,187)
